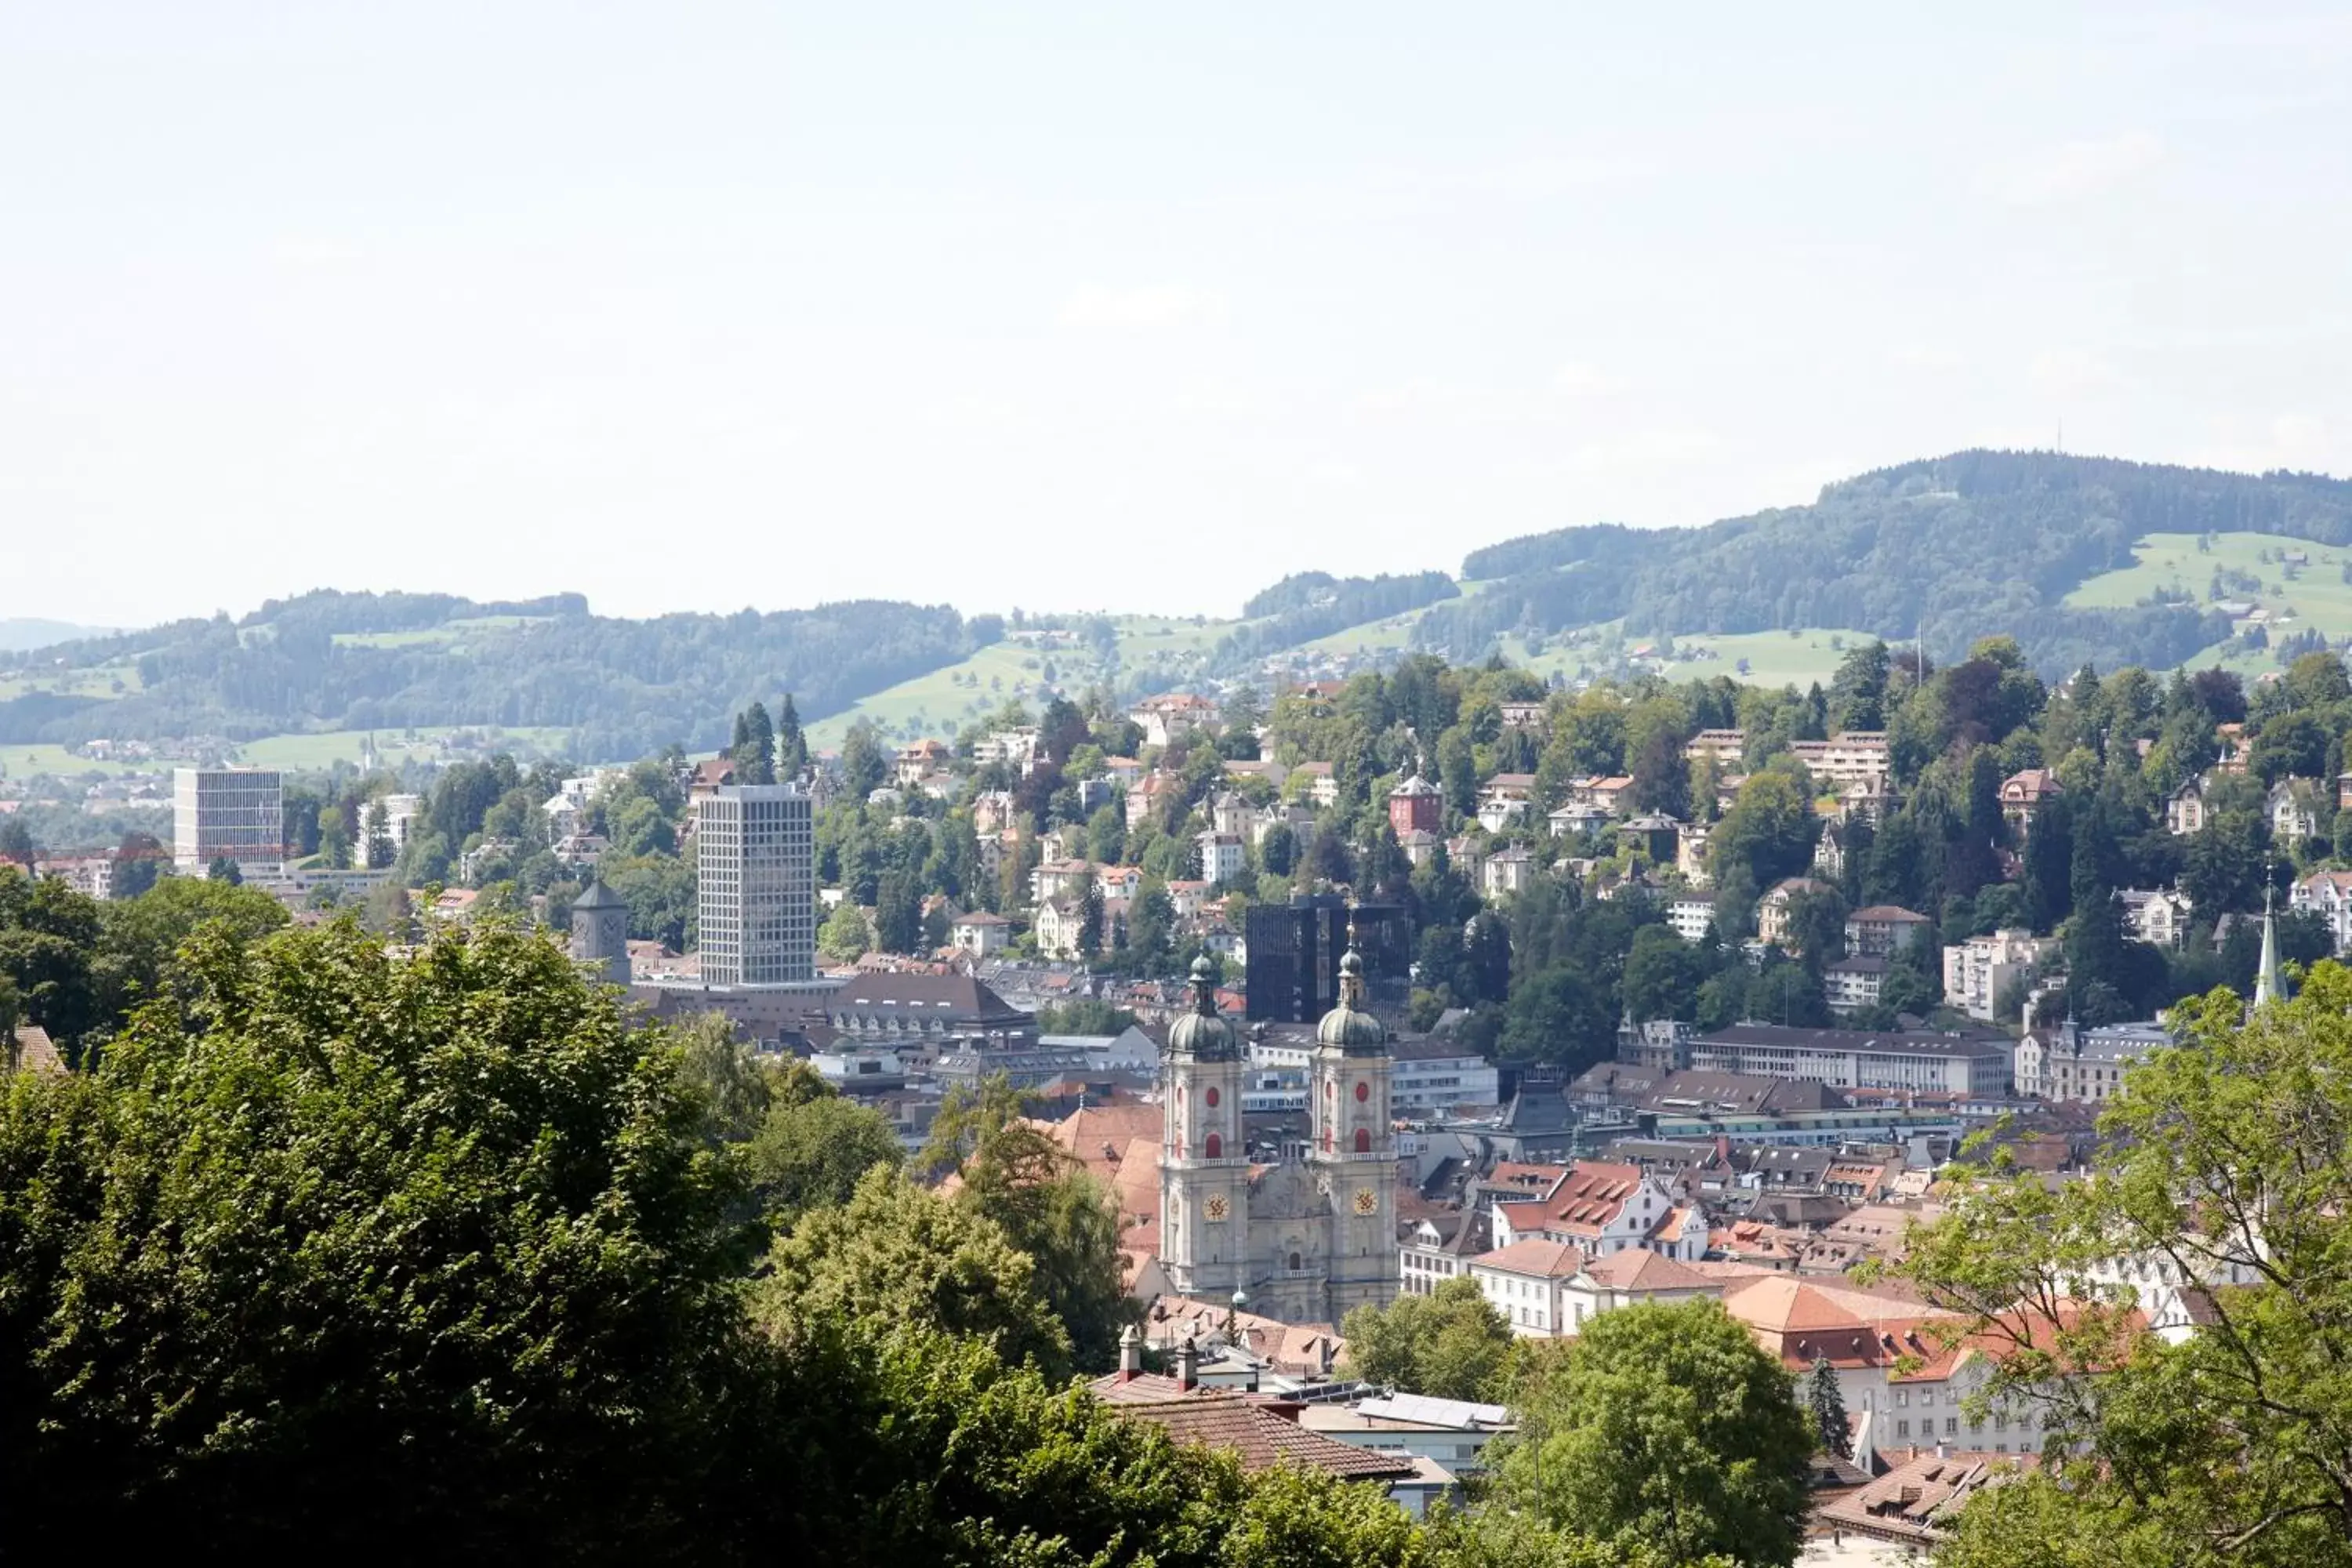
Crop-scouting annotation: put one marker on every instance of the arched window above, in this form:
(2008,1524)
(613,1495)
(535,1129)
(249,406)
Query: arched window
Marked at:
(1294,1263)
(1216,1147)
(1363,1140)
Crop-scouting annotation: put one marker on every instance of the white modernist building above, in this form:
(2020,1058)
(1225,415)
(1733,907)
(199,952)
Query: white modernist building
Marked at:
(229,813)
(755,874)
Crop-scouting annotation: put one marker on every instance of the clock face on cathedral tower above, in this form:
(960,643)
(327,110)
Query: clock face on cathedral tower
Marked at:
(1367,1200)
(1214,1208)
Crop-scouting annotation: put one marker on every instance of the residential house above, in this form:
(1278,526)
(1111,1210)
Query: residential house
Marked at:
(1866,800)
(1231,815)
(1881,930)
(979,933)
(1850,756)
(1690,853)
(1593,1205)
(1119,881)
(2186,812)
(1690,916)
(1172,715)
(2234,748)
(1441,1246)
(1223,857)
(1060,879)
(1144,795)
(991,811)
(1976,971)
(919,758)
(1506,872)
(1505,799)
(92,875)
(1772,908)
(2293,806)
(1729,747)
(1853,982)
(1016,748)
(1576,818)
(2067,1064)
(1420,846)
(1550,1290)
(1059,923)
(1321,786)
(1605,793)
(1654,833)
(2327,894)
(1523,716)
(2023,793)
(1188,897)
(2157,917)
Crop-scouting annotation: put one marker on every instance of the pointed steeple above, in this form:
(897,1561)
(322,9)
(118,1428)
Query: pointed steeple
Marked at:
(2268,987)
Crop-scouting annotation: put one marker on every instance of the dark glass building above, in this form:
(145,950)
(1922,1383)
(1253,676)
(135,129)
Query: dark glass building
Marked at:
(1293,972)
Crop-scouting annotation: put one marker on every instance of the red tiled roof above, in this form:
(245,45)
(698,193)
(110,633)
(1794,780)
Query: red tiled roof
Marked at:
(1638,1269)
(1539,1260)
(1261,1438)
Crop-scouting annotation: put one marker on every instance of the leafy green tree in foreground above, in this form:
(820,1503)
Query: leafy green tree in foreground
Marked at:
(1665,1429)
(2224,1157)
(899,1254)
(1011,1169)
(1449,1344)
(361,1250)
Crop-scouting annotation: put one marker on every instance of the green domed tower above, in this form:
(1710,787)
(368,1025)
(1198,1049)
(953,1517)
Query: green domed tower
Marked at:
(1354,1144)
(1203,1154)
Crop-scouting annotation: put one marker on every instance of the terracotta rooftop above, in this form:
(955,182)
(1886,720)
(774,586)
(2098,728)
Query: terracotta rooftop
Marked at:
(1636,1268)
(1261,1438)
(1537,1260)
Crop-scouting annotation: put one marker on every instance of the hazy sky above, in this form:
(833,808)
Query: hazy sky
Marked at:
(700,306)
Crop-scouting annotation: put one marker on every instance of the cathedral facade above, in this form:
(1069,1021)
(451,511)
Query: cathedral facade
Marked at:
(1307,1240)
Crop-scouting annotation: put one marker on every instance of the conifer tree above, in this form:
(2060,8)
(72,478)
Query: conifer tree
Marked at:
(1826,1403)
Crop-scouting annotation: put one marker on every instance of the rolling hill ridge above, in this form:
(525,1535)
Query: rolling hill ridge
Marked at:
(2082,559)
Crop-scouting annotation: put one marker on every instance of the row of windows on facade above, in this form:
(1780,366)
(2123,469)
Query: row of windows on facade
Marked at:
(1976,1428)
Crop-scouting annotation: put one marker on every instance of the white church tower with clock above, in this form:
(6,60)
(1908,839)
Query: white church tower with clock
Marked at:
(1305,1240)
(1353,1144)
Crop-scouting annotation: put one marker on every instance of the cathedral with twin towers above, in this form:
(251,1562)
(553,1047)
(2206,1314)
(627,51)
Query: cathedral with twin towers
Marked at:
(1312,1234)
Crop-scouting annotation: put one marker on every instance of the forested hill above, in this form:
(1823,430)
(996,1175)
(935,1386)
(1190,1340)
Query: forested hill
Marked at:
(368,661)
(1953,548)
(1974,543)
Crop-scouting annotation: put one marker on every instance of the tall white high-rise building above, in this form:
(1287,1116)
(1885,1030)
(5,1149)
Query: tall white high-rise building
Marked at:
(755,874)
(228,814)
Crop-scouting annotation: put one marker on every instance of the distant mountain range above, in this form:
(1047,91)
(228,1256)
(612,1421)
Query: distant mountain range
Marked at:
(1946,549)
(20,633)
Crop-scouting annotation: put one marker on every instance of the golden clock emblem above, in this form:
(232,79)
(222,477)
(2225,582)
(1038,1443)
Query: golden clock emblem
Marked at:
(1215,1207)
(1367,1200)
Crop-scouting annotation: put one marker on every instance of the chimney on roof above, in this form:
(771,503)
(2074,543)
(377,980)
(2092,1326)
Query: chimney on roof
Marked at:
(1130,1353)
(1187,1365)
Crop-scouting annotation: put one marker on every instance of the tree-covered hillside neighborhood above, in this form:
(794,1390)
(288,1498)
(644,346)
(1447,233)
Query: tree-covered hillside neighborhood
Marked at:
(1436,1116)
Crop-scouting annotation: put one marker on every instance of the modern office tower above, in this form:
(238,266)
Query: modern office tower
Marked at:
(755,870)
(1292,968)
(228,814)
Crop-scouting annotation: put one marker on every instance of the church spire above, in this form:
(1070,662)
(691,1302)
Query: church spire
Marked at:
(2267,984)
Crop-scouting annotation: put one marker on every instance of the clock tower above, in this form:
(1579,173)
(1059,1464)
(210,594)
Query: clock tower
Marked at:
(1204,1243)
(1353,1144)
